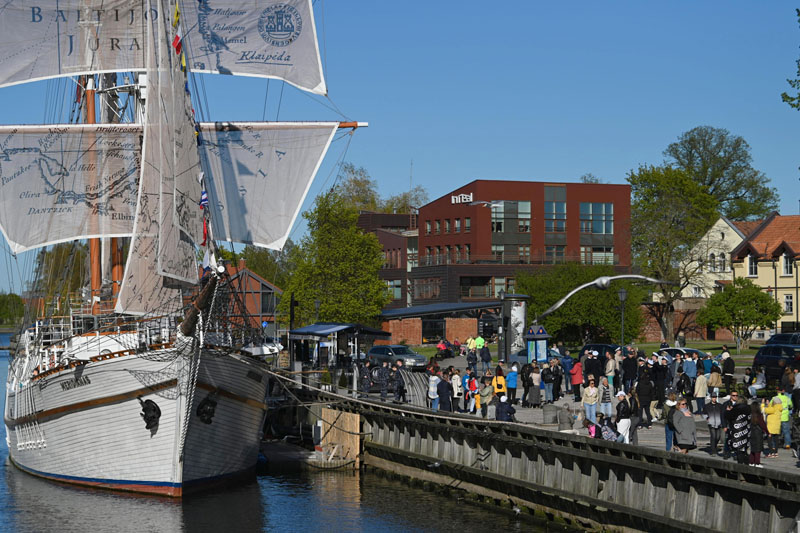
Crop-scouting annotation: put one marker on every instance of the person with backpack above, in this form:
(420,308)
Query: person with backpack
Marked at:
(505,411)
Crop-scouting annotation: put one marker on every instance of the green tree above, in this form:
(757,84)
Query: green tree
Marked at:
(670,212)
(590,178)
(590,314)
(338,265)
(404,201)
(11,308)
(61,269)
(357,188)
(721,163)
(741,307)
(274,266)
(794,100)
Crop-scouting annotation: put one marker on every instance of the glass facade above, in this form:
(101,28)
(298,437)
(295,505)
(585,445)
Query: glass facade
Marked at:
(555,217)
(597,218)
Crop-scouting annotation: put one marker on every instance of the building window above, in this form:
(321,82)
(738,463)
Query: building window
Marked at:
(788,304)
(597,218)
(467,224)
(697,292)
(597,255)
(447,225)
(721,262)
(428,288)
(752,266)
(427,227)
(467,249)
(555,217)
(554,254)
(428,255)
(458,253)
(499,285)
(267,303)
(457,225)
(788,268)
(497,252)
(524,214)
(700,265)
(438,227)
(524,253)
(447,255)
(712,263)
(395,287)
(498,214)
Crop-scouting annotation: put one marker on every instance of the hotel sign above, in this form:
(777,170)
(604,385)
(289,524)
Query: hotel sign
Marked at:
(462,198)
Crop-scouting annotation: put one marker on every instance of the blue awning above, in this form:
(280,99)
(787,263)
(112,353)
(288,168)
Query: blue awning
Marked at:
(325,329)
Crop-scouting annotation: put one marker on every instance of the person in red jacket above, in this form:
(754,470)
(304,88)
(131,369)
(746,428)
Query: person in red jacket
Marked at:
(576,378)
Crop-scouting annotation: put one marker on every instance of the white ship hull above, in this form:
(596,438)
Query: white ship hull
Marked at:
(83,423)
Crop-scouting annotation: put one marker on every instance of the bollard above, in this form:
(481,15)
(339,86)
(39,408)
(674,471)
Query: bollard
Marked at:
(565,419)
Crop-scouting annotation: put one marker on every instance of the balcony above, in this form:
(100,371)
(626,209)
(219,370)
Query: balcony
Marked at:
(508,259)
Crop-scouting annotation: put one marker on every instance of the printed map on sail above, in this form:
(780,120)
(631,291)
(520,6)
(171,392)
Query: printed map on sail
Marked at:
(65,183)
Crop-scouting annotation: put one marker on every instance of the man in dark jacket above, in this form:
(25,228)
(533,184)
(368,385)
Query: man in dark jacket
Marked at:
(629,371)
(623,417)
(384,373)
(366,380)
(505,411)
(593,367)
(645,390)
(714,414)
(486,359)
(399,381)
(472,361)
(445,391)
(728,368)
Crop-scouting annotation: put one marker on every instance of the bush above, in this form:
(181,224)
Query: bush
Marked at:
(325,377)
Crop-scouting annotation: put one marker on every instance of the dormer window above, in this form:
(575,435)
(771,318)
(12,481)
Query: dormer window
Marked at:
(752,266)
(788,266)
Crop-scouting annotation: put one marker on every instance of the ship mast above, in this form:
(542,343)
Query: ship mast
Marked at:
(95,251)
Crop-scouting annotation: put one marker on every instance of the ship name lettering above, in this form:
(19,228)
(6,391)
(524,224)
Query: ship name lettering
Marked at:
(253,56)
(85,15)
(230,12)
(75,383)
(48,210)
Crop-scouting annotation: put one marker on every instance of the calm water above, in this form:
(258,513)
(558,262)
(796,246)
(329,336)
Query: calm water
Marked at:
(321,501)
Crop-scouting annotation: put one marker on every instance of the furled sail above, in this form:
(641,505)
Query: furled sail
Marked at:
(159,255)
(258,175)
(51,38)
(61,183)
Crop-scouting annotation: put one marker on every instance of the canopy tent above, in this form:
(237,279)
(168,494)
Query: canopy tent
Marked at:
(321,330)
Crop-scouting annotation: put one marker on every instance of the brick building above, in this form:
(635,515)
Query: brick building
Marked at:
(473,240)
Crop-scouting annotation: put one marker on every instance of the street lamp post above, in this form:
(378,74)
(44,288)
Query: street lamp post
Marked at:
(623,295)
(501,344)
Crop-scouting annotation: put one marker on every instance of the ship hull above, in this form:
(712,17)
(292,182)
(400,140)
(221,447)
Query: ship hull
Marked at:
(85,425)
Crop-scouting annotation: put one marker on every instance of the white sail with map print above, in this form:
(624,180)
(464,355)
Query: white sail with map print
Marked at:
(259,174)
(67,182)
(52,38)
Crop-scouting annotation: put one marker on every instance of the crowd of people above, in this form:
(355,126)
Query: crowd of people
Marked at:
(619,393)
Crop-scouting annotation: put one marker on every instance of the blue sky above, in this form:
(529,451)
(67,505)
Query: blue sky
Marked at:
(530,90)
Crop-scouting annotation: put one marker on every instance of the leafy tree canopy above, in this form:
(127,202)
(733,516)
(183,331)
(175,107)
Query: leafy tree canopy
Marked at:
(794,100)
(590,178)
(590,314)
(742,308)
(670,212)
(721,164)
(11,308)
(338,265)
(359,190)
(61,269)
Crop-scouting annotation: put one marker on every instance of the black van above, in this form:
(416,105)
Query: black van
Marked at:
(775,358)
(785,338)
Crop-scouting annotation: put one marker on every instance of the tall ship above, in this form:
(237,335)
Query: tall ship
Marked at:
(151,377)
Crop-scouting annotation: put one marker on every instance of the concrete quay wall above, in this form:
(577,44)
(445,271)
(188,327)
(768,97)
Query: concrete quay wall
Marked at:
(587,483)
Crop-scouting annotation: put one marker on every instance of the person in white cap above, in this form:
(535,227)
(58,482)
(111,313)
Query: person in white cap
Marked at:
(505,411)
(624,417)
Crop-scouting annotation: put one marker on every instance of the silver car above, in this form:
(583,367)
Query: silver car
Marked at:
(391,353)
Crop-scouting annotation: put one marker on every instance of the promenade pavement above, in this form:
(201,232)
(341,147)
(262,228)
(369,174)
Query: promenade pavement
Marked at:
(653,438)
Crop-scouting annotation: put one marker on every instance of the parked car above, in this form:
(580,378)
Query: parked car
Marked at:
(601,349)
(775,358)
(391,353)
(685,352)
(521,357)
(785,338)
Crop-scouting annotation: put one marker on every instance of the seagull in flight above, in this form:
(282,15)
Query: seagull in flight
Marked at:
(487,203)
